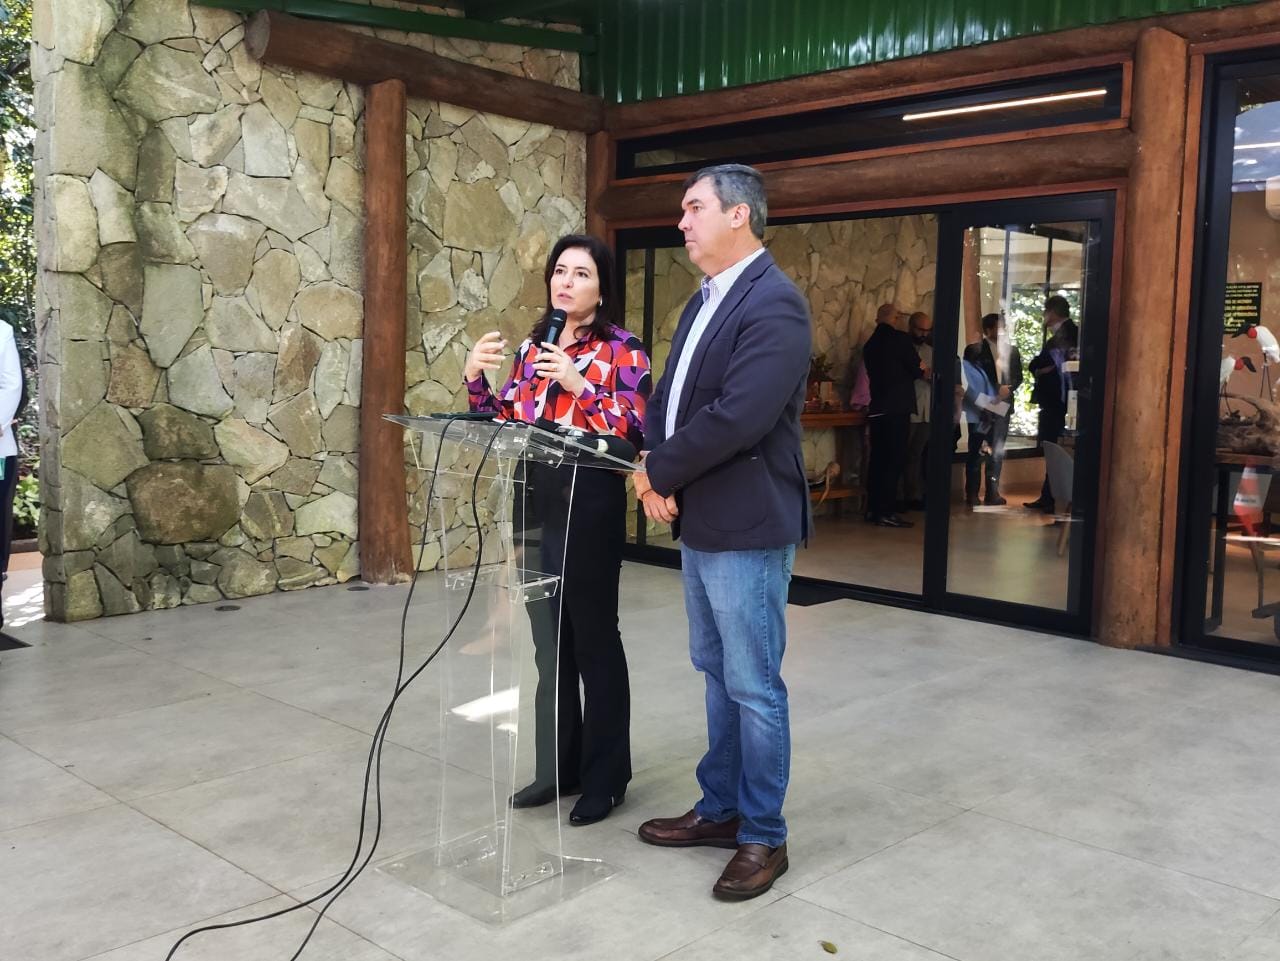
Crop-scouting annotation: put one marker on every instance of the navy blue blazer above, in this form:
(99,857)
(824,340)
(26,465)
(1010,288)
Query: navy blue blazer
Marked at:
(734,462)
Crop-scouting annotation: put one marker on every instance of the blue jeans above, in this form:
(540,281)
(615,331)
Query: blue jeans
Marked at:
(736,603)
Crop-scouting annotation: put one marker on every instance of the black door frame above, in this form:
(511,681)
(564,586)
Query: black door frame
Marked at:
(1209,279)
(952,221)
(1094,208)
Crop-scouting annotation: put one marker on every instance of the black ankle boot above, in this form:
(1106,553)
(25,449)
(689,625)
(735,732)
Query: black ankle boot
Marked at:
(538,794)
(594,807)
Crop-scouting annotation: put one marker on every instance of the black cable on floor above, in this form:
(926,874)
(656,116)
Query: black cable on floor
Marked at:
(373,765)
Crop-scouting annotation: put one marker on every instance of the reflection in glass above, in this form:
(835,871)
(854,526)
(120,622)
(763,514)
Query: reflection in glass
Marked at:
(1018,366)
(847,270)
(1243,589)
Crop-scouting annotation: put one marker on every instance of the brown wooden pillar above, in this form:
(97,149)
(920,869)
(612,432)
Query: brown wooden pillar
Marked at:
(599,171)
(971,288)
(1142,348)
(385,557)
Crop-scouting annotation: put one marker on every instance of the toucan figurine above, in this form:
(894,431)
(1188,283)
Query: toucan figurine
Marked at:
(1228,367)
(1270,355)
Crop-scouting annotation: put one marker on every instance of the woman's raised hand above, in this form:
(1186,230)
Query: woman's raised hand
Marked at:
(485,355)
(554,364)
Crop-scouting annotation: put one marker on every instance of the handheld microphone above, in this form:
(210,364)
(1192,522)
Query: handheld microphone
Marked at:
(555,327)
(610,444)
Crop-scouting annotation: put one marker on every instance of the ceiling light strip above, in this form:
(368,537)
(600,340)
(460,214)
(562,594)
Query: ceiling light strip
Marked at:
(1008,104)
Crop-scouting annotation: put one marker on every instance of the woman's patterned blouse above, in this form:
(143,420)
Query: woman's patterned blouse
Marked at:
(618,385)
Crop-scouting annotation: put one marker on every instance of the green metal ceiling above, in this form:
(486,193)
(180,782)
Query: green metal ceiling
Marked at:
(664,48)
(647,49)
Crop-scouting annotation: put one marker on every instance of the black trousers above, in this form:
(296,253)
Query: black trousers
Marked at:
(8,487)
(889,436)
(575,632)
(997,430)
(1053,422)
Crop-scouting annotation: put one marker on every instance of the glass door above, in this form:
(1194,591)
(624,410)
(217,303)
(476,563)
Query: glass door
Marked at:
(1230,536)
(1020,349)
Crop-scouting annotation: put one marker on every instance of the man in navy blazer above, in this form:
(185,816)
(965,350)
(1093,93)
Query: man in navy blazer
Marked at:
(724,467)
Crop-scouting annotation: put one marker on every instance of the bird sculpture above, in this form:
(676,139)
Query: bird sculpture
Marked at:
(1270,355)
(1230,364)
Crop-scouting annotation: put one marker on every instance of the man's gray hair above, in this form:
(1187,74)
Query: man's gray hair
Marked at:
(737,184)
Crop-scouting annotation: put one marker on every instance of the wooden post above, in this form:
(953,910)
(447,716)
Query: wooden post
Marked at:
(600,160)
(971,287)
(1143,347)
(385,557)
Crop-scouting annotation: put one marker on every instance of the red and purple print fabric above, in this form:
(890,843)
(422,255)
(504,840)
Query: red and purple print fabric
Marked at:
(618,385)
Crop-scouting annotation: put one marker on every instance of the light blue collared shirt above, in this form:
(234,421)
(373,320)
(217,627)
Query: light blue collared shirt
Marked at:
(713,291)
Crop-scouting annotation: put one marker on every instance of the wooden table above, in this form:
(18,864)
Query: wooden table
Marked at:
(841,421)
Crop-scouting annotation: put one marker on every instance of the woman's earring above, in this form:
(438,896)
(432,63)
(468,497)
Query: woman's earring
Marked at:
(600,303)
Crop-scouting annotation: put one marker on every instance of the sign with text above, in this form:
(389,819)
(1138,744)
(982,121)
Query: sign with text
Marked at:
(1243,307)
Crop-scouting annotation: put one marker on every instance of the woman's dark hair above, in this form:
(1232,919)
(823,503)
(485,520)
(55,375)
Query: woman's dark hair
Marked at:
(609,314)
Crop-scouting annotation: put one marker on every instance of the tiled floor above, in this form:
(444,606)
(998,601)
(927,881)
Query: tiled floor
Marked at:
(958,791)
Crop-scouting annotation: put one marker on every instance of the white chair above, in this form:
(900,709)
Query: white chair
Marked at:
(1061,470)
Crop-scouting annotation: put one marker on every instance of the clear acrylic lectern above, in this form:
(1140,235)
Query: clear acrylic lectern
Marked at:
(497,587)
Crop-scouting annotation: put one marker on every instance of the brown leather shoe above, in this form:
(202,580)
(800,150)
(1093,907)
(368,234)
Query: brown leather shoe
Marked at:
(690,830)
(751,872)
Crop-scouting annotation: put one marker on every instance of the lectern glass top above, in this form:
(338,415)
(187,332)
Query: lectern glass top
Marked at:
(517,439)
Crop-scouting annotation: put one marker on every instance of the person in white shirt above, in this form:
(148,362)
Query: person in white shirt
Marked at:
(11,400)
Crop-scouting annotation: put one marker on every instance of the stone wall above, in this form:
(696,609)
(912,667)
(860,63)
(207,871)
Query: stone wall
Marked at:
(846,269)
(199,308)
(505,191)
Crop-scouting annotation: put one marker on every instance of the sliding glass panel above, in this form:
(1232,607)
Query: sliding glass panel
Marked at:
(1015,522)
(1241,509)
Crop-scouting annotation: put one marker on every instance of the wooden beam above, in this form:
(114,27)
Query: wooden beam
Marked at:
(1043,53)
(600,167)
(385,557)
(887,80)
(1102,155)
(1143,346)
(321,48)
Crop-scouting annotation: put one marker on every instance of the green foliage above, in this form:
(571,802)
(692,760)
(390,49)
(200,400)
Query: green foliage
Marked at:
(26,501)
(1024,321)
(17,138)
(17,240)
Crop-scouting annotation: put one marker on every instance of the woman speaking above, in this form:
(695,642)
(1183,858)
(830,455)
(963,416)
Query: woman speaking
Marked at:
(593,376)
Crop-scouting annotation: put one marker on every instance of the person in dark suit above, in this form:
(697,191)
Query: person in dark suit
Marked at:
(893,367)
(993,372)
(1062,342)
(724,467)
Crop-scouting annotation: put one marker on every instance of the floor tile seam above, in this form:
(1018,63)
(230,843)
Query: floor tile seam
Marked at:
(174,931)
(129,799)
(220,857)
(958,808)
(75,774)
(1258,927)
(238,685)
(879,851)
(13,733)
(227,775)
(799,896)
(716,930)
(110,801)
(1133,858)
(316,714)
(871,702)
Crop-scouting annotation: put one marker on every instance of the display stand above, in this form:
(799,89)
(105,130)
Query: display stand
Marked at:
(500,583)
